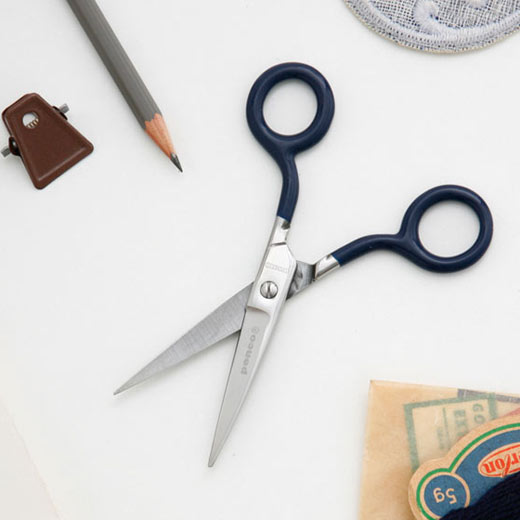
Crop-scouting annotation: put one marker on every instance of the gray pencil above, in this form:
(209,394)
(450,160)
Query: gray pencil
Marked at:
(124,74)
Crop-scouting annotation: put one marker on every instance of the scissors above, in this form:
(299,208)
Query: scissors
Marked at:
(255,310)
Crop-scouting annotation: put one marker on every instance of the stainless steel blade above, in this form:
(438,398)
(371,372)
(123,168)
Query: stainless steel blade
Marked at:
(221,323)
(266,300)
(250,347)
(303,277)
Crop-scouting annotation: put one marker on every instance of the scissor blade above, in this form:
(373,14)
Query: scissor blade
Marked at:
(221,323)
(272,286)
(251,345)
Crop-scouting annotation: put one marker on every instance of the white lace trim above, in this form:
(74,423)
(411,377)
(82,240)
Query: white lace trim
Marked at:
(432,33)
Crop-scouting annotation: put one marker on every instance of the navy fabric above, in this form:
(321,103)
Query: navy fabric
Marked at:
(500,503)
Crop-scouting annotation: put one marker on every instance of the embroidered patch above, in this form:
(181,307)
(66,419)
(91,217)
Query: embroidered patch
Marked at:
(440,25)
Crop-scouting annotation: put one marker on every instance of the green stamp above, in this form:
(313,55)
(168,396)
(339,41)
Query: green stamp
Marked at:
(433,427)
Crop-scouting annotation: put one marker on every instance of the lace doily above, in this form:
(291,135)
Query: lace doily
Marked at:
(440,25)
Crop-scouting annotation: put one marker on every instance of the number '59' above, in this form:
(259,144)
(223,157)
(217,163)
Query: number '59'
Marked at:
(441,496)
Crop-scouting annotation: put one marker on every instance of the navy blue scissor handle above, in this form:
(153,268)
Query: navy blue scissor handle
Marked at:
(284,148)
(408,243)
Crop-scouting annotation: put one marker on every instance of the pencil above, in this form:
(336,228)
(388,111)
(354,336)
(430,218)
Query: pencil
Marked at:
(124,74)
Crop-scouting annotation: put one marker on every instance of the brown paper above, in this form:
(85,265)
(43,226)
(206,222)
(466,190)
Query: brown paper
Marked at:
(408,425)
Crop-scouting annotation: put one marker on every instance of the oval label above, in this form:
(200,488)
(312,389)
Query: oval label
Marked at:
(502,462)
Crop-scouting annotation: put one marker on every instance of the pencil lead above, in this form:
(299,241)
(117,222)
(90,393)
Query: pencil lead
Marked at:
(175,160)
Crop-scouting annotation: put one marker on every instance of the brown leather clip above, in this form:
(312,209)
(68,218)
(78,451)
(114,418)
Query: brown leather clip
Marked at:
(41,135)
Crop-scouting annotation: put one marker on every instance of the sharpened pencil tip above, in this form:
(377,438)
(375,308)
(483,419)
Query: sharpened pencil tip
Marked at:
(175,160)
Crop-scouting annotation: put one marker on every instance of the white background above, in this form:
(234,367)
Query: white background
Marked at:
(104,268)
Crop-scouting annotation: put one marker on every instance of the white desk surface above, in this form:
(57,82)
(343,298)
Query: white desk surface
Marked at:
(104,268)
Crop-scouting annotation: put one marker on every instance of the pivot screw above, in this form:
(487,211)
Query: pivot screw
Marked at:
(269,290)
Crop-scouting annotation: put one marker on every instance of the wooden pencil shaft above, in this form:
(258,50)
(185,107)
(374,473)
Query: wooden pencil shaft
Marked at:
(115,59)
